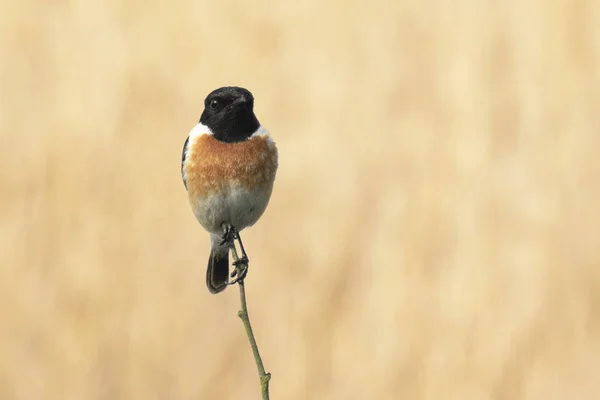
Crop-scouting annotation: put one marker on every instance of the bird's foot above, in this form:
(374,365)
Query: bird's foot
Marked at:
(229,237)
(240,271)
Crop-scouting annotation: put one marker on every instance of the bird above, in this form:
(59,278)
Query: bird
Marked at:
(228,167)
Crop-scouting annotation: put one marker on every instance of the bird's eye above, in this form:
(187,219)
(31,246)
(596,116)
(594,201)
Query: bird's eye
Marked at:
(214,104)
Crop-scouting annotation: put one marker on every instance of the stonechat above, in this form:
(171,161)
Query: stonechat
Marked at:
(228,167)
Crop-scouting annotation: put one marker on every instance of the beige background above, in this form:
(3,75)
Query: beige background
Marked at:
(433,232)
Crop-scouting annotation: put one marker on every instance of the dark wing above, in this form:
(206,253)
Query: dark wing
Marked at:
(183,162)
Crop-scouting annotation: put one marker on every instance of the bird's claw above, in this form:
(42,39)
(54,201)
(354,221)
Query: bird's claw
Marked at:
(240,271)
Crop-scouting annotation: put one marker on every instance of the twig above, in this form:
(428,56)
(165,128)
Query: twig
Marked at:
(264,377)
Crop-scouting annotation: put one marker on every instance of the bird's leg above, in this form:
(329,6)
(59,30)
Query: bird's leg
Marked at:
(230,235)
(241,264)
(239,239)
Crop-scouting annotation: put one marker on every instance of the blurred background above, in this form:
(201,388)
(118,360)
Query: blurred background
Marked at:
(433,232)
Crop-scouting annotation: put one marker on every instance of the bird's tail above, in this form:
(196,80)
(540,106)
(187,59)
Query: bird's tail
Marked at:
(217,273)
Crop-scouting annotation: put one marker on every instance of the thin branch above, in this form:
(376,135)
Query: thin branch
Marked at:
(243,314)
(264,377)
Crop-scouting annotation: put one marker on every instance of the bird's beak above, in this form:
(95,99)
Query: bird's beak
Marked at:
(241,100)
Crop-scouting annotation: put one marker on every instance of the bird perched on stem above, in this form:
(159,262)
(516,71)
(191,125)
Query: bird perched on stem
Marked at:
(228,167)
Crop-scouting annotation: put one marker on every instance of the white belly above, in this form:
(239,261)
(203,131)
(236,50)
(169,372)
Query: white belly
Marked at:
(238,207)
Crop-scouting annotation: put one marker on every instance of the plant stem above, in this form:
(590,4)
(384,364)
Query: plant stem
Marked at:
(264,377)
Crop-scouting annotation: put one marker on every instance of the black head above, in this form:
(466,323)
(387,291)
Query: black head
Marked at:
(229,113)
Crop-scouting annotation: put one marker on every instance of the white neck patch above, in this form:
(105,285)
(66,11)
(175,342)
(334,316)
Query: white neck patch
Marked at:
(261,131)
(199,130)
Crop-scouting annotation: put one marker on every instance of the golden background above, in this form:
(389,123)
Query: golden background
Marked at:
(434,228)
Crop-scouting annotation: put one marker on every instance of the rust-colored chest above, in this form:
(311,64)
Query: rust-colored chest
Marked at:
(213,166)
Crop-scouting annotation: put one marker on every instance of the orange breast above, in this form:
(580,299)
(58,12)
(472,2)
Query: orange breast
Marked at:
(214,165)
